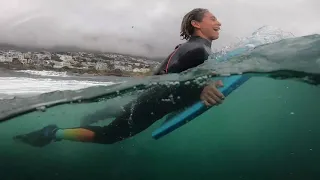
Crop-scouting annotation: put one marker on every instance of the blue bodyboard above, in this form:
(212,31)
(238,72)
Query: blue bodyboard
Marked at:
(231,83)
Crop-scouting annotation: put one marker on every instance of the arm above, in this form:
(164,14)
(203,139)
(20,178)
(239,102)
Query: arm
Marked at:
(208,93)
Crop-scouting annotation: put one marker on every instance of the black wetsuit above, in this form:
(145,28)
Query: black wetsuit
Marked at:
(150,106)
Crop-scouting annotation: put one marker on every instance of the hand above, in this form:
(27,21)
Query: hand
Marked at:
(210,95)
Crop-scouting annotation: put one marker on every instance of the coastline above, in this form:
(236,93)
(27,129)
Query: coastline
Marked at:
(74,71)
(77,63)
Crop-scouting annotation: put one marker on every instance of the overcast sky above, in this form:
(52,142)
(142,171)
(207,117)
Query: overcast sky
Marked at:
(144,27)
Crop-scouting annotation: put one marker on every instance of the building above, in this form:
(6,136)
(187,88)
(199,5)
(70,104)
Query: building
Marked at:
(141,70)
(101,66)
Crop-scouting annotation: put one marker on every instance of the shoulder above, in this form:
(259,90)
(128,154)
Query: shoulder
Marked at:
(190,51)
(193,47)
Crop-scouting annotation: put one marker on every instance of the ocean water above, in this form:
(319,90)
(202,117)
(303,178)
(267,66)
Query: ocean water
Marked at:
(266,129)
(27,83)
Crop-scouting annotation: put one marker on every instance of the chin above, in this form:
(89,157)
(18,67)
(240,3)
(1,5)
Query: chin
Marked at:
(214,38)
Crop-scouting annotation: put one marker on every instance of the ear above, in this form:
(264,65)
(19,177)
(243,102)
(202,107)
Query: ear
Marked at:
(195,24)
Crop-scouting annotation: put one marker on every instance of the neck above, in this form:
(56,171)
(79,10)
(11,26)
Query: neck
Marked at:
(201,39)
(196,33)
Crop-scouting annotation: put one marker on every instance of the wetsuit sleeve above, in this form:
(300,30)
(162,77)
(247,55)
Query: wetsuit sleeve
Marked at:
(191,59)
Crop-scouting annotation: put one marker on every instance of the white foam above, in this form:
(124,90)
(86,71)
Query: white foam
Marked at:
(22,85)
(45,73)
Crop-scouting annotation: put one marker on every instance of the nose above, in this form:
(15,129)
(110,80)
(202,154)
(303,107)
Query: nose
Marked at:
(219,23)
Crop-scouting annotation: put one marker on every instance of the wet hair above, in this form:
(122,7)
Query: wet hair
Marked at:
(187,29)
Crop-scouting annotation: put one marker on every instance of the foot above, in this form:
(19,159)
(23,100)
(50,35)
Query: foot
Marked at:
(40,137)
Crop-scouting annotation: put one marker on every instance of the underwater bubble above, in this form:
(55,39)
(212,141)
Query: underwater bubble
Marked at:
(76,98)
(318,61)
(292,113)
(140,91)
(79,91)
(41,108)
(176,83)
(199,78)
(225,74)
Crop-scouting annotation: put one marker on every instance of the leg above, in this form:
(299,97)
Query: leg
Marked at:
(151,106)
(138,115)
(113,109)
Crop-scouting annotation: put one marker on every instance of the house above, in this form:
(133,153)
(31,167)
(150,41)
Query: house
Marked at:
(3,59)
(141,70)
(7,59)
(101,66)
(16,61)
(66,58)
(57,64)
(24,61)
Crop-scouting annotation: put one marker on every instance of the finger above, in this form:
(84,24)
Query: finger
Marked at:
(210,100)
(206,103)
(217,92)
(219,83)
(212,95)
(214,73)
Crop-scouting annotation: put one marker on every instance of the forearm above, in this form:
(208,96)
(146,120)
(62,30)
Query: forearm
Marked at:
(190,90)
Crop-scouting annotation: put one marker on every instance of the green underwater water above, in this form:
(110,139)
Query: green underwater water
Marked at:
(267,129)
